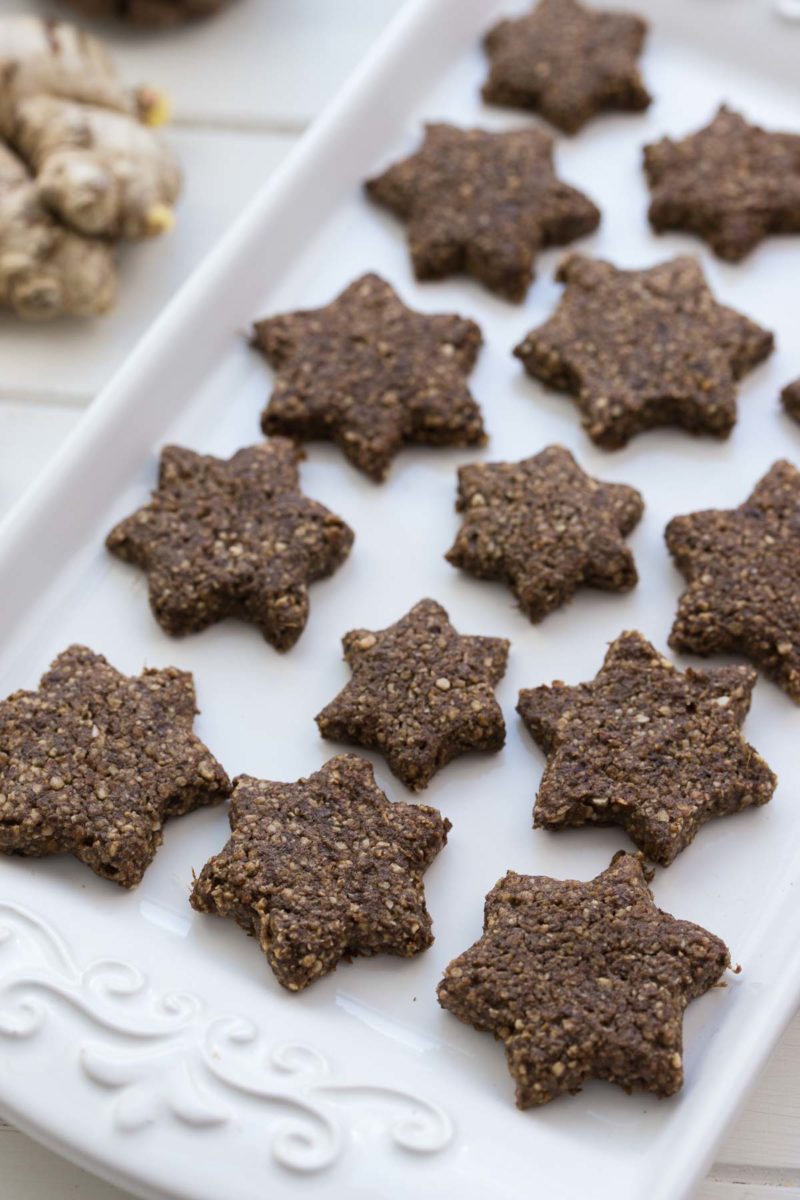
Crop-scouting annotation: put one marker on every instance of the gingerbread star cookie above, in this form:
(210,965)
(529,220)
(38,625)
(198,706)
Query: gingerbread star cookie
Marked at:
(324,869)
(639,349)
(372,376)
(567,62)
(232,538)
(584,980)
(790,397)
(646,746)
(732,183)
(94,762)
(545,528)
(483,203)
(743,570)
(421,694)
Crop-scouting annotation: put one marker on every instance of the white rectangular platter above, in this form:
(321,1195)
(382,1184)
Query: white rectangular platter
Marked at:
(153,1045)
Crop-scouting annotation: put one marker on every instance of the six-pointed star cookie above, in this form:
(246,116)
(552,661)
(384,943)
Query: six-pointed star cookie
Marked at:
(645,746)
(545,527)
(583,980)
(790,397)
(232,538)
(372,375)
(567,62)
(421,694)
(484,203)
(743,569)
(731,183)
(637,349)
(323,869)
(94,762)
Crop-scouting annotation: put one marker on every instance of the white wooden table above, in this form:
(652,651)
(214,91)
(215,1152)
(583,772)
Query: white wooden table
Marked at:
(244,87)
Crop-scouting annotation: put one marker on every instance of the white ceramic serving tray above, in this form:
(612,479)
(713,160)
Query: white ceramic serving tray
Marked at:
(152,1045)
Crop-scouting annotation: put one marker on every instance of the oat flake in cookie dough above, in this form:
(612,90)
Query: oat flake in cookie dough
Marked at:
(372,375)
(583,980)
(732,183)
(232,538)
(323,869)
(567,62)
(545,527)
(646,746)
(94,762)
(743,569)
(421,694)
(639,349)
(483,203)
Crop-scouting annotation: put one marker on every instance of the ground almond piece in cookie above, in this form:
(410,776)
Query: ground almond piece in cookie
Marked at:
(372,375)
(584,980)
(790,398)
(483,203)
(545,527)
(567,62)
(639,349)
(420,693)
(656,750)
(232,538)
(323,869)
(733,184)
(94,762)
(743,570)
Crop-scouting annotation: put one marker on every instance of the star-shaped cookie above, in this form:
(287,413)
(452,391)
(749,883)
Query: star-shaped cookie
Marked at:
(421,694)
(372,375)
(567,62)
(323,869)
(732,184)
(743,570)
(94,762)
(545,527)
(584,980)
(483,203)
(790,397)
(656,750)
(232,538)
(638,349)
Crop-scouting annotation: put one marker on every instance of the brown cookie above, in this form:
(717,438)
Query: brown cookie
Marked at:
(743,569)
(638,349)
(544,527)
(567,62)
(421,694)
(324,869)
(583,980)
(731,183)
(372,376)
(645,746)
(790,398)
(232,538)
(94,762)
(483,203)
(150,12)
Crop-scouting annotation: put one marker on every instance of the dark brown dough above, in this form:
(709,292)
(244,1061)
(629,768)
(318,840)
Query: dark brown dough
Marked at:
(372,375)
(790,398)
(232,538)
(583,980)
(646,746)
(324,869)
(731,183)
(421,694)
(150,12)
(94,762)
(638,349)
(743,570)
(483,203)
(567,62)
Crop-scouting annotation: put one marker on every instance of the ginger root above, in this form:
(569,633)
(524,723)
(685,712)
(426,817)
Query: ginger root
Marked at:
(45,269)
(85,137)
(150,12)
